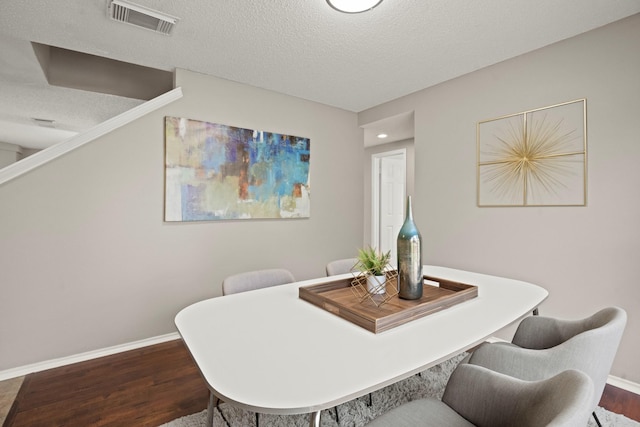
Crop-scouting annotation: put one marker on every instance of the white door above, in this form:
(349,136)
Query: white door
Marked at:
(388,197)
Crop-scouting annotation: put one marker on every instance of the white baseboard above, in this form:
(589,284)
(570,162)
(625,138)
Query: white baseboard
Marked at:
(56,363)
(624,384)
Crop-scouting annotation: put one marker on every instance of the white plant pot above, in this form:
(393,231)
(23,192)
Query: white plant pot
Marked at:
(376,284)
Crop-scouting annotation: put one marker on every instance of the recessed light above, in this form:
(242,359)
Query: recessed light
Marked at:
(353,6)
(382,135)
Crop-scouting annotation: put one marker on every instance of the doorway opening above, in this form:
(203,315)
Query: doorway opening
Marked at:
(388,192)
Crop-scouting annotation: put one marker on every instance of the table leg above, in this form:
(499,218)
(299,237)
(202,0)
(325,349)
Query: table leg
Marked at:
(314,419)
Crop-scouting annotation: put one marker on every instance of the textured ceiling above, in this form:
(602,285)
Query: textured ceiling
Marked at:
(300,48)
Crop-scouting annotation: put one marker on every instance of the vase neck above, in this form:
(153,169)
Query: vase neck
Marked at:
(409,208)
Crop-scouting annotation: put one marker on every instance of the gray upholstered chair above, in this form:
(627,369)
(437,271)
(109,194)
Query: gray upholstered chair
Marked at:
(250,281)
(543,347)
(253,280)
(341,266)
(476,396)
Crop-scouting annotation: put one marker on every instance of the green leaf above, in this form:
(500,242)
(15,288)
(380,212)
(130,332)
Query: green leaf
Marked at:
(373,261)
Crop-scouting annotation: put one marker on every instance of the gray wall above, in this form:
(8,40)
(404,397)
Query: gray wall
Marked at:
(9,154)
(87,262)
(587,257)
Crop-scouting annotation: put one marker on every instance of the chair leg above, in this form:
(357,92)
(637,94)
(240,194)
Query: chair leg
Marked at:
(210,407)
(314,419)
(535,311)
(214,403)
(595,417)
(226,421)
(257,419)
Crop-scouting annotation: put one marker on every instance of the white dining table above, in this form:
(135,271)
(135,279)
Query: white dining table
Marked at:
(271,352)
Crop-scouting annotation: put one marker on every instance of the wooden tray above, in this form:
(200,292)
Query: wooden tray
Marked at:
(336,297)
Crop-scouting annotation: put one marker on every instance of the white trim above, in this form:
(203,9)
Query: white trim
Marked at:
(375,190)
(624,384)
(41,157)
(495,339)
(82,357)
(375,200)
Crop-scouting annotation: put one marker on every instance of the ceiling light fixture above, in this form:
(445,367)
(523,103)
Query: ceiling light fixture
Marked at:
(382,135)
(353,6)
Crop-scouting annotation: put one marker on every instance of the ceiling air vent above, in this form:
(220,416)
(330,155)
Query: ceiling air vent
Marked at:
(45,123)
(141,16)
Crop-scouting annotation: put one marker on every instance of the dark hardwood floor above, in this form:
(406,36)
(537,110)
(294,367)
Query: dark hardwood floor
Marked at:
(621,401)
(148,387)
(144,387)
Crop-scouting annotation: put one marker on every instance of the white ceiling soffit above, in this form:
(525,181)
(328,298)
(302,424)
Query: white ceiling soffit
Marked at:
(397,128)
(77,70)
(33,136)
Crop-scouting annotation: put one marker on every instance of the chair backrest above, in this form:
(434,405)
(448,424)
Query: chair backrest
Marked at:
(545,332)
(258,279)
(341,266)
(490,399)
(544,347)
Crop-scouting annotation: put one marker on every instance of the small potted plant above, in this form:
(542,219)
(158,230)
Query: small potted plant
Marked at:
(373,264)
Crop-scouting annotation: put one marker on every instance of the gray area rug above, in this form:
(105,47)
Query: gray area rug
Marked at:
(358,412)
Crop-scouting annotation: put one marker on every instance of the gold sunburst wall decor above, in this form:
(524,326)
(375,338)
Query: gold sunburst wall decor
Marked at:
(534,158)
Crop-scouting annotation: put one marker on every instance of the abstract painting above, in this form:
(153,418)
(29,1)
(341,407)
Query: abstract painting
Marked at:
(220,172)
(534,158)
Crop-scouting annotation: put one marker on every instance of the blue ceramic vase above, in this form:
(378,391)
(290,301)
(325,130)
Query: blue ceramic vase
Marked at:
(410,279)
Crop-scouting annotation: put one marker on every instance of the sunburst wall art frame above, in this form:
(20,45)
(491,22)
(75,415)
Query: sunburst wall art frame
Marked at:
(534,158)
